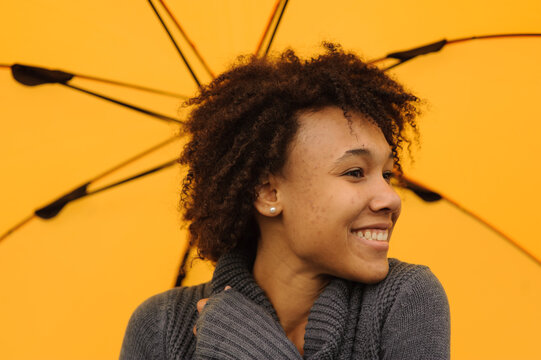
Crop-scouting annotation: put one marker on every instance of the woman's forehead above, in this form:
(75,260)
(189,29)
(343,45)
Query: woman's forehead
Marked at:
(328,135)
(330,125)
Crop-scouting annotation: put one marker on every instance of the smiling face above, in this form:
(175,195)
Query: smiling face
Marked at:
(335,206)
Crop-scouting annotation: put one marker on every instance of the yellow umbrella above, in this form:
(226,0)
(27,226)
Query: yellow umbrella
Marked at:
(69,285)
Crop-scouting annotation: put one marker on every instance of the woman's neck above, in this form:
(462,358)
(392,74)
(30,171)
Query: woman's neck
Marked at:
(291,291)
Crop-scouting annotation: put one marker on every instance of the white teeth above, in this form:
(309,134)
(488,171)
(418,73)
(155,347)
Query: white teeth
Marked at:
(378,235)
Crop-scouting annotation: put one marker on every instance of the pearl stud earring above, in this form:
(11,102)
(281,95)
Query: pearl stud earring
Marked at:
(272,210)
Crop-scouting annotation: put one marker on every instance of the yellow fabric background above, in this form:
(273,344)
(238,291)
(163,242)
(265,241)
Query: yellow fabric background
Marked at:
(69,285)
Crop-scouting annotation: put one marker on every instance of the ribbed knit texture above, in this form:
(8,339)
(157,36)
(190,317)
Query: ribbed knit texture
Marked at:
(405,316)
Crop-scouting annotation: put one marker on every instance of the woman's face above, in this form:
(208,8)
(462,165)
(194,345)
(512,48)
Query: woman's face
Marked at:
(337,207)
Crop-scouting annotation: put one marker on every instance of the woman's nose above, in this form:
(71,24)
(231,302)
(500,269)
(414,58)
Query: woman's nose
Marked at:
(385,198)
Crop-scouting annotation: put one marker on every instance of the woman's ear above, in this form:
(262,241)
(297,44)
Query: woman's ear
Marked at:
(266,201)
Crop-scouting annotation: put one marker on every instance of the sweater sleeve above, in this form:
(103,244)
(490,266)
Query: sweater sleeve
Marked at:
(232,327)
(144,336)
(418,324)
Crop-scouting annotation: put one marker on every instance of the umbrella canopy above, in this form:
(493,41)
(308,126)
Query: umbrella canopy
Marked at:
(70,284)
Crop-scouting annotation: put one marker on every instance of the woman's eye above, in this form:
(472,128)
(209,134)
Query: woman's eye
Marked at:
(388,175)
(356,173)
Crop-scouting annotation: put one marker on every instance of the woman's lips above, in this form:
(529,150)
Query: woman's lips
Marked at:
(377,239)
(372,234)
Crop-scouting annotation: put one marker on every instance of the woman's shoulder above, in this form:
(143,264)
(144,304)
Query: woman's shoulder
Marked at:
(419,314)
(179,298)
(407,281)
(412,277)
(161,317)
(402,272)
(410,311)
(176,303)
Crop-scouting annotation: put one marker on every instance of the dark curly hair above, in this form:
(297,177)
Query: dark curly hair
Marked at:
(242,123)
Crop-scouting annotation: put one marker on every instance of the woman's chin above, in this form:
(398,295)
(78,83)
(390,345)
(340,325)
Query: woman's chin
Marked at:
(372,273)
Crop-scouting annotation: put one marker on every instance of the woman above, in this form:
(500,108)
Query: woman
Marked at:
(288,190)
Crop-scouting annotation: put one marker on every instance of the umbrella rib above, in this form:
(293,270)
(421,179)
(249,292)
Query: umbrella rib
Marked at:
(122,103)
(132,86)
(276,27)
(134,177)
(267,27)
(438,45)
(182,268)
(175,43)
(134,158)
(495,229)
(395,65)
(51,210)
(183,33)
(107,81)
(479,219)
(493,36)
(17,226)
(81,190)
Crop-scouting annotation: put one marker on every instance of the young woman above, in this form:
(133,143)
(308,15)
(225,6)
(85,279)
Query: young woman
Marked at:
(288,190)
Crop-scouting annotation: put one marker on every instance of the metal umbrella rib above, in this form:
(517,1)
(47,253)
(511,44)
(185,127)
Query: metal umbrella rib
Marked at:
(33,76)
(406,55)
(52,209)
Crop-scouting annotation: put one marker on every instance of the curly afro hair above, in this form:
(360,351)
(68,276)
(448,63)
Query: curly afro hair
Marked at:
(242,123)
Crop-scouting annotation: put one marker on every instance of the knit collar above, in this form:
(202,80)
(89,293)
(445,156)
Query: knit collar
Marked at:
(331,326)
(235,269)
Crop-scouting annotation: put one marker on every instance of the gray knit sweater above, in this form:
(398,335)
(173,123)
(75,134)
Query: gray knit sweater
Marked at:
(405,316)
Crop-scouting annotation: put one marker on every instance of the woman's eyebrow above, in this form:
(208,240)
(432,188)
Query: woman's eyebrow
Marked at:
(358,152)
